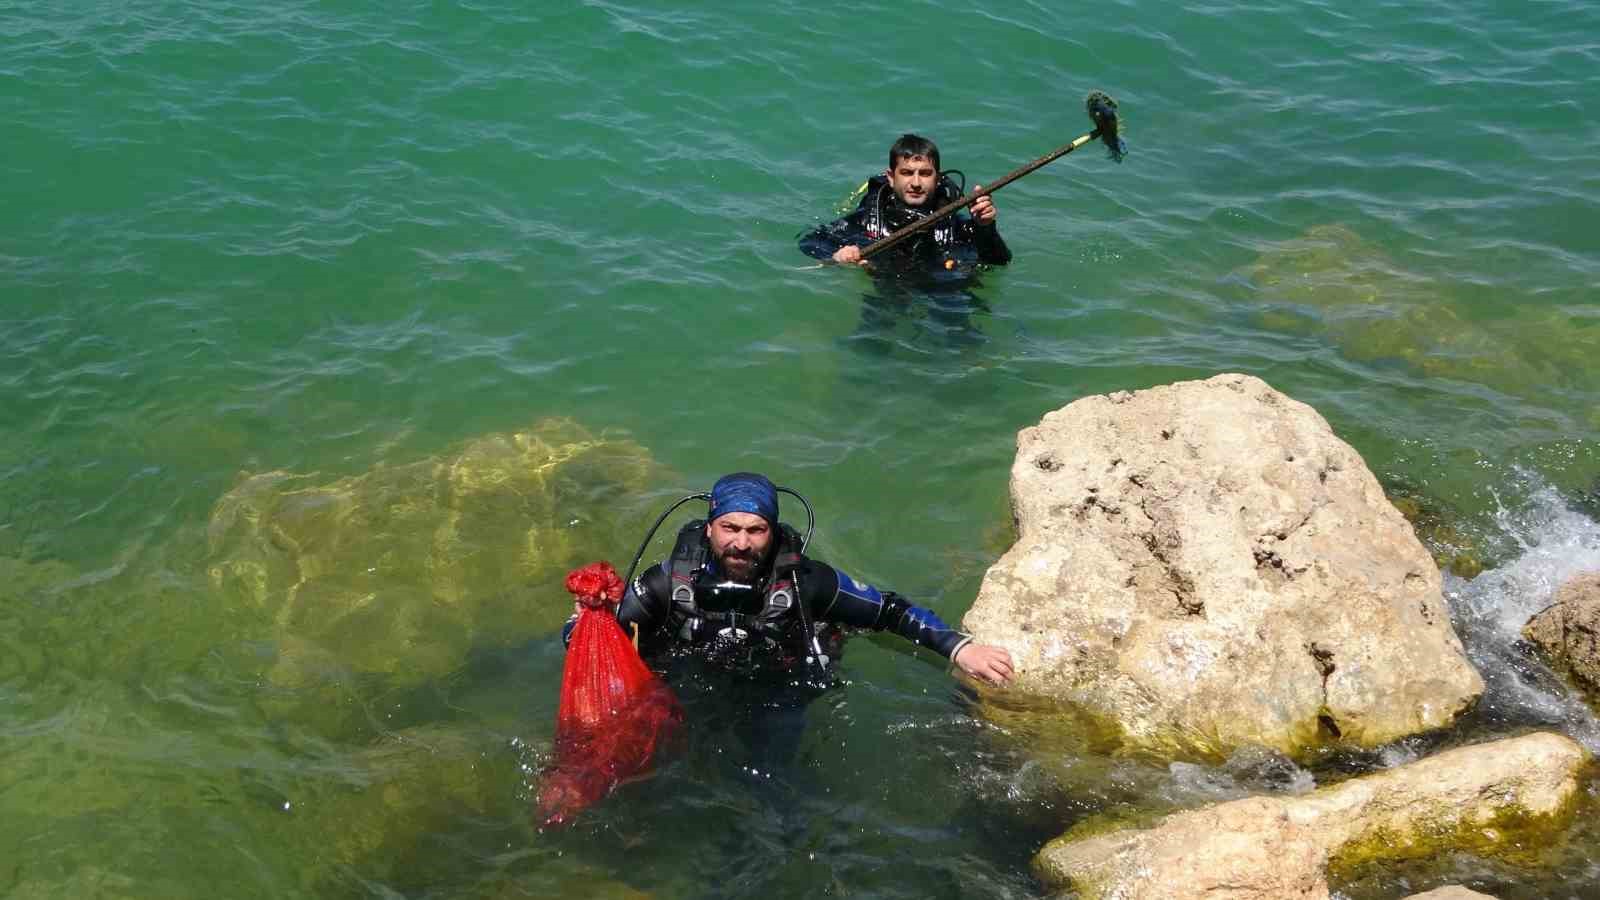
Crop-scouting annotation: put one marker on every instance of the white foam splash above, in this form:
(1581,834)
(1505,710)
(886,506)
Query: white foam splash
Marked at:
(1556,544)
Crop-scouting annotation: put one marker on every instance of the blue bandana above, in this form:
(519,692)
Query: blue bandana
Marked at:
(745,492)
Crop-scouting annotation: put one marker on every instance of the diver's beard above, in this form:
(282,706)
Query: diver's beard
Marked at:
(739,567)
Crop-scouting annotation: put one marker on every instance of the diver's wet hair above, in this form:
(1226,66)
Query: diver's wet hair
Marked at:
(911,145)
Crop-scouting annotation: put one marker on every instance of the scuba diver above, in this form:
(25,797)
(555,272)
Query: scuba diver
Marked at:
(931,271)
(746,626)
(912,188)
(739,591)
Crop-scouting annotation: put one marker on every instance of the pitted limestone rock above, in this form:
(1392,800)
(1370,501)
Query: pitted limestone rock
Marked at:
(1208,566)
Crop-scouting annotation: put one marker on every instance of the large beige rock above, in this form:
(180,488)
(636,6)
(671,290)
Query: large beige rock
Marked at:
(1206,565)
(1569,629)
(1474,798)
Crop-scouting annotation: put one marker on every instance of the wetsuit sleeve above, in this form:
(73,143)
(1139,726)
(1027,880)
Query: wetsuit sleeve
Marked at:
(645,606)
(822,241)
(836,597)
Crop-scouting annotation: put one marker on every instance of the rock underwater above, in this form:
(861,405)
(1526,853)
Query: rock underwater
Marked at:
(1332,281)
(1205,566)
(395,573)
(1450,892)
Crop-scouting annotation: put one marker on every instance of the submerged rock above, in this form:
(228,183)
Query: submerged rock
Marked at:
(392,794)
(1450,892)
(1331,267)
(1206,566)
(32,645)
(1331,281)
(1569,630)
(1475,798)
(397,572)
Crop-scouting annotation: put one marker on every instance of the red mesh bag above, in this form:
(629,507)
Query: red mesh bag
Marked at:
(615,713)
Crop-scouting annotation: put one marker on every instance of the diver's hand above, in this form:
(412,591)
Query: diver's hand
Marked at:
(983,208)
(986,662)
(848,254)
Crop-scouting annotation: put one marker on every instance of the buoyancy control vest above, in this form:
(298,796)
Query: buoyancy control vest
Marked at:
(698,607)
(885,214)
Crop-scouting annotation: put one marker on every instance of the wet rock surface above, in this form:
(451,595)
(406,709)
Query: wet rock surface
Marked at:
(1478,797)
(1569,630)
(1205,566)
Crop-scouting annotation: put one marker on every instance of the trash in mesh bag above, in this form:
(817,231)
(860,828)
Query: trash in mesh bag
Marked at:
(615,713)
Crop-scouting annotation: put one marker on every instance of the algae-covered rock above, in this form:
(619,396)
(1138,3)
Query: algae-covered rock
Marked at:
(1334,282)
(102,882)
(1478,798)
(22,580)
(1569,630)
(398,811)
(397,572)
(128,789)
(24,585)
(1207,566)
(388,797)
(1330,267)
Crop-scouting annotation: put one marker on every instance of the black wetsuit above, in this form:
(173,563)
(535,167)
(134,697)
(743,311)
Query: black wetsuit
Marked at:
(880,213)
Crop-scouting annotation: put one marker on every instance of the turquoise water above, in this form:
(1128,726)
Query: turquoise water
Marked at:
(347,241)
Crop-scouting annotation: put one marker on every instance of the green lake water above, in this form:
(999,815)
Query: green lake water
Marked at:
(331,334)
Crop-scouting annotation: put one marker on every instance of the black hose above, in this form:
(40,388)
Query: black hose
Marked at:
(649,535)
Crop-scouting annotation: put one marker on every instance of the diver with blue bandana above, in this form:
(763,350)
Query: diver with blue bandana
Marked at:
(739,591)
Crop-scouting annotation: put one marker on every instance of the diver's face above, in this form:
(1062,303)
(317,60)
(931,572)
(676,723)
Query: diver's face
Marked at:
(739,540)
(913,179)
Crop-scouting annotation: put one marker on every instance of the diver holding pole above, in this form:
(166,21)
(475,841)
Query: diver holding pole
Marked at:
(865,227)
